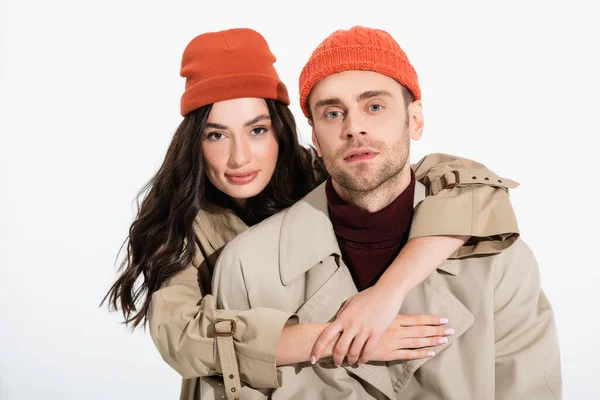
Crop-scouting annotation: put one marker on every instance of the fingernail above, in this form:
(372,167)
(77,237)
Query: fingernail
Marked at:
(313,360)
(443,340)
(444,321)
(430,353)
(449,331)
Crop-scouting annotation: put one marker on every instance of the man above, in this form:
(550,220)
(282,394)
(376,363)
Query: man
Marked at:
(362,98)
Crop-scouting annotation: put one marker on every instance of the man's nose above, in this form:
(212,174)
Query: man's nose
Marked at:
(354,125)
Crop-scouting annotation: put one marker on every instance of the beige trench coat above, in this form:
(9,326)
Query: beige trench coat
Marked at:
(504,347)
(183,312)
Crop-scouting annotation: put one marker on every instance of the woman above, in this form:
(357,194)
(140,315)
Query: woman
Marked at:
(234,161)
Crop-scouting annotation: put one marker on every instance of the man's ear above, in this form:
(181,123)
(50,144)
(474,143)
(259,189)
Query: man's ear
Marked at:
(314,138)
(416,121)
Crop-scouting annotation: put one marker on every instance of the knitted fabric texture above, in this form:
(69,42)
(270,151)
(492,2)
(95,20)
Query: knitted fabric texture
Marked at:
(358,48)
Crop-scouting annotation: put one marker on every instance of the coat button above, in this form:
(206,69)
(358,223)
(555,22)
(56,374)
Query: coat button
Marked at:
(231,376)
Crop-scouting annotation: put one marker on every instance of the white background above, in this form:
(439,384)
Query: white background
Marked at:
(89,100)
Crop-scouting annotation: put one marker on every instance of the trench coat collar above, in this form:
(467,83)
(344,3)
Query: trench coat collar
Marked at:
(307,236)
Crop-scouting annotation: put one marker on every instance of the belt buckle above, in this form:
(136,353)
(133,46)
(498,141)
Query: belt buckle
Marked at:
(456,180)
(224,334)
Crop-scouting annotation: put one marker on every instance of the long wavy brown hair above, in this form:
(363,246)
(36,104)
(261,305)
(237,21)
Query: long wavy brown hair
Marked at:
(156,249)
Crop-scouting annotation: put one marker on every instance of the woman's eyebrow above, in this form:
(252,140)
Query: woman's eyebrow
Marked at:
(216,126)
(253,121)
(257,119)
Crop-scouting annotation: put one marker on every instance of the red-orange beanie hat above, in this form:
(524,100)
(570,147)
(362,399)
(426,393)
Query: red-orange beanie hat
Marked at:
(227,65)
(359,48)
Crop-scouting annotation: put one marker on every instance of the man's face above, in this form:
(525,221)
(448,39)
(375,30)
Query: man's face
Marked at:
(362,127)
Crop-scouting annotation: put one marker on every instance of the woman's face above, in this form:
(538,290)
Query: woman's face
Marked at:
(239,148)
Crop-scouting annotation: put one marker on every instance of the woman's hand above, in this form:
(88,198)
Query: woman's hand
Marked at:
(363,321)
(411,337)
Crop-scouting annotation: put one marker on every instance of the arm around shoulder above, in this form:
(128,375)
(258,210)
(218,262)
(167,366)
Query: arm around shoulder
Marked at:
(465,198)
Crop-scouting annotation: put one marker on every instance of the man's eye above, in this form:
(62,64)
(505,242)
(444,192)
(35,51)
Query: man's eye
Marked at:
(376,107)
(333,114)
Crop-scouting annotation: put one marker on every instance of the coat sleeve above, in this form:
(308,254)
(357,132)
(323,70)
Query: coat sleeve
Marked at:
(527,353)
(465,198)
(182,316)
(258,356)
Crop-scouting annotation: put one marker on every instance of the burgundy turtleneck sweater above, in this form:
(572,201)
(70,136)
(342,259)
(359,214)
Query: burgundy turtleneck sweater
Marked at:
(370,241)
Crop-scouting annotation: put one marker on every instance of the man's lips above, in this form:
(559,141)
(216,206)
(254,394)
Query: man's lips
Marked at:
(360,155)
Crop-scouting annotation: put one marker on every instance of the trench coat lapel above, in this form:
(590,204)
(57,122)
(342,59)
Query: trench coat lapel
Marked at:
(324,304)
(308,246)
(431,297)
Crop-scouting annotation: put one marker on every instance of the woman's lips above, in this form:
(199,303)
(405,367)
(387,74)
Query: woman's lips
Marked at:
(242,178)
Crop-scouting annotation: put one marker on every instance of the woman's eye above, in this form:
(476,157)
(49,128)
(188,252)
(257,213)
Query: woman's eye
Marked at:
(376,107)
(333,114)
(259,131)
(215,136)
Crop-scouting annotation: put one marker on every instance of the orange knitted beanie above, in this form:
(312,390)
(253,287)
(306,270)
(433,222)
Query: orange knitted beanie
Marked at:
(359,48)
(227,65)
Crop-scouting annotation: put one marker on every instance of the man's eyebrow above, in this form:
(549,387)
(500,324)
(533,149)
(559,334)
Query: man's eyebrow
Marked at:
(328,102)
(257,119)
(363,96)
(372,93)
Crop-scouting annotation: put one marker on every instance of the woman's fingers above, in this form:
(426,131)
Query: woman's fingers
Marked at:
(410,354)
(325,339)
(341,347)
(357,347)
(424,331)
(419,343)
(370,347)
(420,319)
(413,338)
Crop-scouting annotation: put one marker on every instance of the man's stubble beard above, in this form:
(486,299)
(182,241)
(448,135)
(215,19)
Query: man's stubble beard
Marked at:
(362,178)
